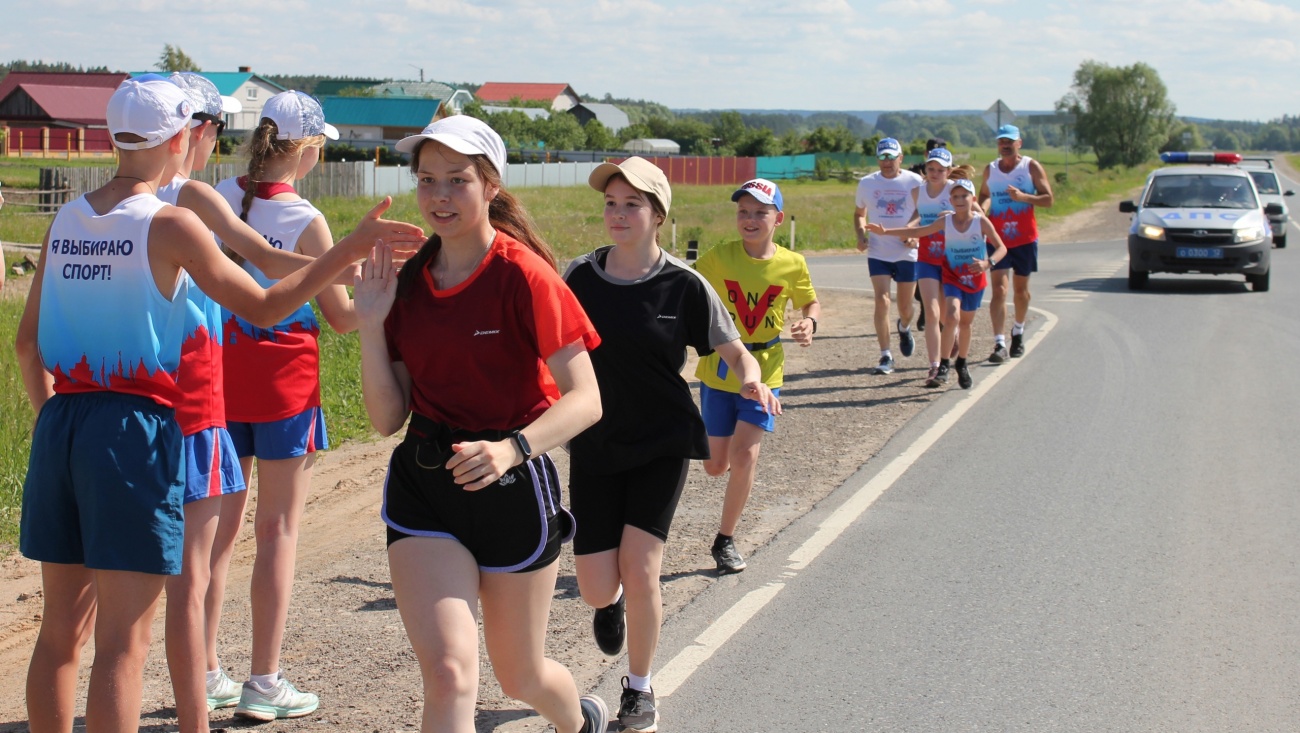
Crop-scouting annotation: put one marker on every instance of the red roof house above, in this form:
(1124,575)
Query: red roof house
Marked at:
(560,96)
(52,111)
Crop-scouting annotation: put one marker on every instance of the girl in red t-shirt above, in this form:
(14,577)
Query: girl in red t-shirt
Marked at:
(480,342)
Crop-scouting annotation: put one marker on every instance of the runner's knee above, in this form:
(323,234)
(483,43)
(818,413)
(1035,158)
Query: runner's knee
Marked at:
(448,678)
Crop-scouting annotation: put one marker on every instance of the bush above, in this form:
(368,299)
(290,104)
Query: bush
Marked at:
(342,152)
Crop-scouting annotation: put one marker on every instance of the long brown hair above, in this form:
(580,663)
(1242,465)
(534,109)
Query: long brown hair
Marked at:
(262,147)
(504,211)
(962,172)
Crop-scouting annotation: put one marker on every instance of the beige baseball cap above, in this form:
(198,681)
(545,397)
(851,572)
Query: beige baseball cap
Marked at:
(644,176)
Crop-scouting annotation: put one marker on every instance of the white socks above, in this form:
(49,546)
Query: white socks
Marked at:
(1017,329)
(887,353)
(640,684)
(265,682)
(1000,340)
(213,675)
(901,327)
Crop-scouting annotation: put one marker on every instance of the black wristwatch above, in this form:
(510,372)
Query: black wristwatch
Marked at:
(814,320)
(522,443)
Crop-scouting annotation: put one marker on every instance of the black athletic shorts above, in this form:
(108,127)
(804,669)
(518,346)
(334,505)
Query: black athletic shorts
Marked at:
(644,497)
(516,525)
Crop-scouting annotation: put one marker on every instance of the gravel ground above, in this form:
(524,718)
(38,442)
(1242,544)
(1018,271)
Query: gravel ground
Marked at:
(345,640)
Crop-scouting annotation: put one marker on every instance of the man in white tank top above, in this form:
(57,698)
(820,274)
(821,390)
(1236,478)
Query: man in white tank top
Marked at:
(1013,186)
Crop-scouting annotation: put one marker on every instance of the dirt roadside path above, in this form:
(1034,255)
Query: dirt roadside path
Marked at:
(345,639)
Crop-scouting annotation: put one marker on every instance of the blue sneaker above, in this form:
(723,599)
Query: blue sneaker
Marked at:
(906,343)
(886,366)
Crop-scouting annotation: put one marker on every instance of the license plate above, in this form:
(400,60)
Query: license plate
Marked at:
(1200,253)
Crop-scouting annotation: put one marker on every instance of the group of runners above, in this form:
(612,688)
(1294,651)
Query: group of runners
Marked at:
(168,347)
(937,231)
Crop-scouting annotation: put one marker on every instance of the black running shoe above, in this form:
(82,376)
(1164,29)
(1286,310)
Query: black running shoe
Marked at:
(963,376)
(636,710)
(906,343)
(595,712)
(942,374)
(609,626)
(1017,345)
(999,354)
(728,557)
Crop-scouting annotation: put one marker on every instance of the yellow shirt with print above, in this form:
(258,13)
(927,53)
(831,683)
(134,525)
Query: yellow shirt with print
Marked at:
(755,293)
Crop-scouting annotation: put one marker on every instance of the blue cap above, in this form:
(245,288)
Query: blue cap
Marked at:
(966,184)
(889,146)
(1010,132)
(762,189)
(942,155)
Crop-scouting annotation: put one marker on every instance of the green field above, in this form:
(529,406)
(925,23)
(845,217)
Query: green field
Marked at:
(570,219)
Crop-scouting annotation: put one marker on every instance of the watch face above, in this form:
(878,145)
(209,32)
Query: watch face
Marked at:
(524,447)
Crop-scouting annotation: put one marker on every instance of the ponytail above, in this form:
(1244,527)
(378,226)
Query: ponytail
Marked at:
(262,147)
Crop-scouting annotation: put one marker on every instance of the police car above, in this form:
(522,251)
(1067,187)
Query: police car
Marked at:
(1201,214)
(1269,188)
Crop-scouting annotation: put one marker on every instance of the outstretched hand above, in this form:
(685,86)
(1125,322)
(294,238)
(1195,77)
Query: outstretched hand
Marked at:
(375,288)
(875,228)
(399,235)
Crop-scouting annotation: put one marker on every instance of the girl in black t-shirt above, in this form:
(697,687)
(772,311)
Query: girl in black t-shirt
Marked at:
(627,471)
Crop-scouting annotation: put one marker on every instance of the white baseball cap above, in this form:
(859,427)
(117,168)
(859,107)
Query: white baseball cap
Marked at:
(941,156)
(204,95)
(762,189)
(298,115)
(150,107)
(464,134)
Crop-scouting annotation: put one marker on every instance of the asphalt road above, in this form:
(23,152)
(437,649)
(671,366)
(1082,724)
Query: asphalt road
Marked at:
(1105,536)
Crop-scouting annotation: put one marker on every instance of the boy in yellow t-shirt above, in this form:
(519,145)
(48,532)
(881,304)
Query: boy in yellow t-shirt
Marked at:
(755,279)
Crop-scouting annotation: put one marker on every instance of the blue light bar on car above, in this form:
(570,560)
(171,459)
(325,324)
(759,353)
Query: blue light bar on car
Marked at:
(1224,158)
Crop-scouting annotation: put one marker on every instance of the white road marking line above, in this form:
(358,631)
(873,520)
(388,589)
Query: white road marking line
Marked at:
(682,666)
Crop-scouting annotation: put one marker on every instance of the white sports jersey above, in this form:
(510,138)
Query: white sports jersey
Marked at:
(888,202)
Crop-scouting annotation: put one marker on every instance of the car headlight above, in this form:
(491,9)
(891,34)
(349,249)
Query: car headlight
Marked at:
(1149,231)
(1247,234)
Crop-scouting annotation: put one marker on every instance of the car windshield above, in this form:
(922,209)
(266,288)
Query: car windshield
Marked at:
(1266,182)
(1201,191)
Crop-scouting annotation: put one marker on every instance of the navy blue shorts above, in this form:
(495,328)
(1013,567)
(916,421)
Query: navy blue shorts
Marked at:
(288,438)
(1022,260)
(105,485)
(516,525)
(927,271)
(211,465)
(721,411)
(903,271)
(970,302)
(644,497)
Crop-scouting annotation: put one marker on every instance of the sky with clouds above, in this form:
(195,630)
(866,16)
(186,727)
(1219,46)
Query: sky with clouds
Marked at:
(1228,59)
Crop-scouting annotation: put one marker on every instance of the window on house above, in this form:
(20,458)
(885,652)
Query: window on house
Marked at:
(252,92)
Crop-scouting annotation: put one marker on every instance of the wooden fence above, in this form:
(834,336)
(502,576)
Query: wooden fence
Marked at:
(58,186)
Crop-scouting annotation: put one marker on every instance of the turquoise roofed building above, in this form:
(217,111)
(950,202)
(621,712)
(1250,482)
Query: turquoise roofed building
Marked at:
(372,121)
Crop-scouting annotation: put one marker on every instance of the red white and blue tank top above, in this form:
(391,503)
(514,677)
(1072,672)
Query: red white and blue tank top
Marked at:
(104,325)
(271,373)
(202,404)
(960,250)
(928,208)
(1015,222)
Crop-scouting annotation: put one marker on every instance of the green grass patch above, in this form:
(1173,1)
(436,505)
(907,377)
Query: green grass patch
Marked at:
(15,424)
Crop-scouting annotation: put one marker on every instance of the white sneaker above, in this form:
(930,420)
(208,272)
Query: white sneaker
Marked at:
(223,692)
(283,701)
